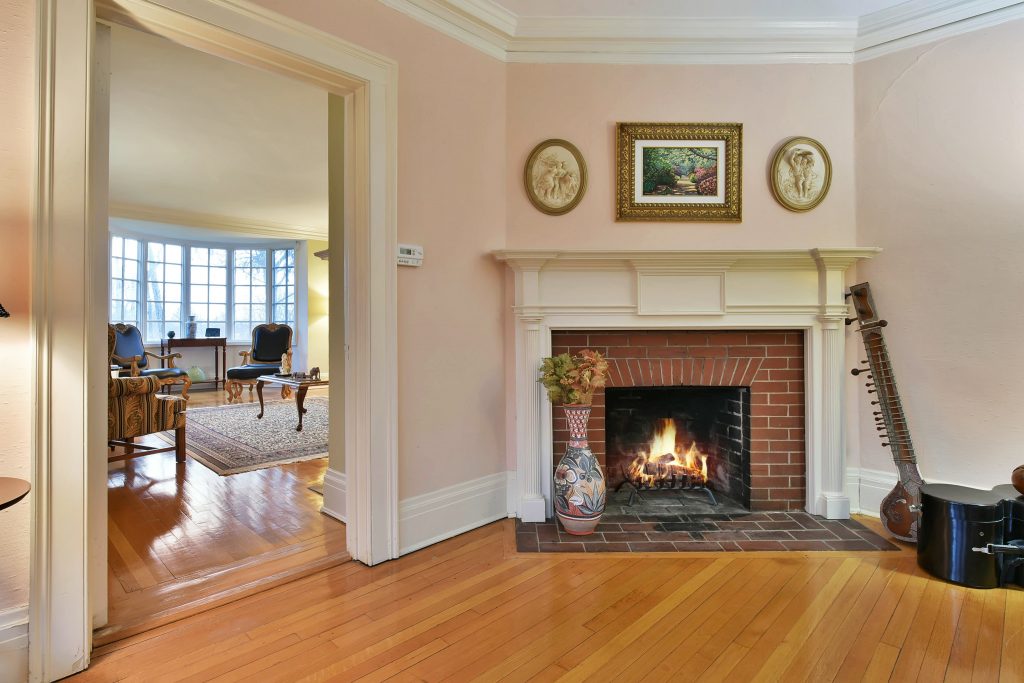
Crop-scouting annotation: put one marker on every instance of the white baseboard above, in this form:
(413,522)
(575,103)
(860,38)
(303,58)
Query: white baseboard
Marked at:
(335,498)
(867,488)
(432,517)
(14,644)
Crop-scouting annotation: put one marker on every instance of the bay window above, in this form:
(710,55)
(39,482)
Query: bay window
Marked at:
(156,284)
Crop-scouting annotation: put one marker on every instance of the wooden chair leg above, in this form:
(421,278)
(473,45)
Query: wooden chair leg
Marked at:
(179,444)
(186,382)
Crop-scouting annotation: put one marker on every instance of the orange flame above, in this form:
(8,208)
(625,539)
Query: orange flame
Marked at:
(664,460)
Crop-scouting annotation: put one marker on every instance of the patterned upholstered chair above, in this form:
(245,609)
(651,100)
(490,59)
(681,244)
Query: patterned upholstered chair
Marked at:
(135,408)
(131,356)
(270,341)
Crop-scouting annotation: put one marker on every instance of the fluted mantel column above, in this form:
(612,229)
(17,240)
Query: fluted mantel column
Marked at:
(835,504)
(529,349)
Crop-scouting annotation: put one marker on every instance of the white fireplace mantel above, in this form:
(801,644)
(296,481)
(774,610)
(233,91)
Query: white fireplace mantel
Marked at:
(680,290)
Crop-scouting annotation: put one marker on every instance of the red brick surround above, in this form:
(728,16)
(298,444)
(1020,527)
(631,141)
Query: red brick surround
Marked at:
(771,363)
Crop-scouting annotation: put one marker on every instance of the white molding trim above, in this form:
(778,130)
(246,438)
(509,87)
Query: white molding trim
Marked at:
(335,495)
(14,644)
(867,488)
(487,26)
(433,517)
(209,221)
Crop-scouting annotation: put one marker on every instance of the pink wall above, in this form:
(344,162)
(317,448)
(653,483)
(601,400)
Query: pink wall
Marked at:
(582,103)
(940,160)
(17,142)
(452,201)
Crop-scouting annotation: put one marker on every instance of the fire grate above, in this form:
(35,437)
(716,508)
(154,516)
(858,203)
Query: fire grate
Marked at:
(660,477)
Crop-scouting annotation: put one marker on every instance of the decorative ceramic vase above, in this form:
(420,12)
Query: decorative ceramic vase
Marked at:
(190,327)
(579,484)
(196,374)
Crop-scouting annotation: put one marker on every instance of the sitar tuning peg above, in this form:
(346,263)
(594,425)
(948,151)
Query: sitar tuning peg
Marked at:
(883,323)
(863,362)
(850,321)
(857,371)
(885,445)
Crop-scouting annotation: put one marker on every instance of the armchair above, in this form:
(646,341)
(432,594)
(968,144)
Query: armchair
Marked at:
(134,408)
(270,342)
(132,358)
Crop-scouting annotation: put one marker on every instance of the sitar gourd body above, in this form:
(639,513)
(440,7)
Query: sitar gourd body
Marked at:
(900,510)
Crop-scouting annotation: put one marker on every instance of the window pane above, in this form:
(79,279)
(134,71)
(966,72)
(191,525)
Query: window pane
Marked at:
(131,270)
(173,253)
(218,257)
(198,294)
(172,273)
(200,275)
(218,295)
(155,252)
(218,276)
(199,257)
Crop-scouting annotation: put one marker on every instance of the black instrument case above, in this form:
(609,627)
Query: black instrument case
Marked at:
(972,537)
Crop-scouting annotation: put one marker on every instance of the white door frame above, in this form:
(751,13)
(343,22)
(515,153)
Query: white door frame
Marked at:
(68,301)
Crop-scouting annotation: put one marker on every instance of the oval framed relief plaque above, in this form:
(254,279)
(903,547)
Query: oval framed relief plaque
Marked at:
(555,177)
(800,174)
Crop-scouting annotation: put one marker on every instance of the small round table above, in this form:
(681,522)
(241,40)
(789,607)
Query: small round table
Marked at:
(12,490)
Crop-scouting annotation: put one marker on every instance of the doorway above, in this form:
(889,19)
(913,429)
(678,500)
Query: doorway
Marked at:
(72,214)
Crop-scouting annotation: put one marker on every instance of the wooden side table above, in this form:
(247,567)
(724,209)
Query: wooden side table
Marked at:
(220,362)
(12,490)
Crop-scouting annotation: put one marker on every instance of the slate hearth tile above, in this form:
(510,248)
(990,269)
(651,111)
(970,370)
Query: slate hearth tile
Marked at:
(696,517)
(806,545)
(547,533)
(526,542)
(662,518)
(652,547)
(780,525)
(760,545)
(561,547)
(739,526)
(813,535)
(753,517)
(618,519)
(626,537)
(586,540)
(640,526)
(805,520)
(608,527)
(769,535)
(851,545)
(850,523)
(676,536)
(698,546)
(730,545)
(608,548)
(842,532)
(686,526)
(723,536)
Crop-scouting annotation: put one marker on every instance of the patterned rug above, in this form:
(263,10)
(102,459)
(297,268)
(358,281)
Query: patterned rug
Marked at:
(229,439)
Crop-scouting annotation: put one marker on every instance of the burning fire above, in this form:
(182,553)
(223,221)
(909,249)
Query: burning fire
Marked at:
(664,460)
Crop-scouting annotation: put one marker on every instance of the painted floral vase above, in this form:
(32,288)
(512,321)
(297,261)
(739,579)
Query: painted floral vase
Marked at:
(191,327)
(579,484)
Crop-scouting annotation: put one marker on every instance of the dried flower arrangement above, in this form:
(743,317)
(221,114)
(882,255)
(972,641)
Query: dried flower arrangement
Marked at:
(572,380)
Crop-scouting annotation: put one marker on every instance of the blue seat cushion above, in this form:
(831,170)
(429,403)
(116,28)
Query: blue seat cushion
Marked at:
(164,373)
(252,371)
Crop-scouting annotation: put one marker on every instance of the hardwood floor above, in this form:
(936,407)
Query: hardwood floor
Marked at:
(181,536)
(471,608)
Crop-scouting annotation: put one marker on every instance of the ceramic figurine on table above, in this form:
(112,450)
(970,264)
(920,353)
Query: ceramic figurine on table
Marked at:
(314,374)
(286,364)
(579,486)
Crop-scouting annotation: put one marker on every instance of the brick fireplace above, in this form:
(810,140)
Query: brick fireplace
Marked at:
(769,363)
(770,320)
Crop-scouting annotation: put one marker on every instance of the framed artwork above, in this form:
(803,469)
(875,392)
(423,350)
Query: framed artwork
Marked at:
(555,177)
(679,172)
(800,174)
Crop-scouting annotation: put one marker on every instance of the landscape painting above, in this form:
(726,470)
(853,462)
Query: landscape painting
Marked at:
(678,172)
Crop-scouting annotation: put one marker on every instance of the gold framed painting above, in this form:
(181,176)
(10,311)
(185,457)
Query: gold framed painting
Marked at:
(555,177)
(679,172)
(800,174)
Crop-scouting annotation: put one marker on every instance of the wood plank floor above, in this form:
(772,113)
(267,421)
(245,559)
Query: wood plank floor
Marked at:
(471,608)
(180,533)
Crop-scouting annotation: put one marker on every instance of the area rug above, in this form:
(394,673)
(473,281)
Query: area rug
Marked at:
(229,439)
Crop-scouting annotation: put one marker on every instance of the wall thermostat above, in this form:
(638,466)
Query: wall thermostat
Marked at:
(410,255)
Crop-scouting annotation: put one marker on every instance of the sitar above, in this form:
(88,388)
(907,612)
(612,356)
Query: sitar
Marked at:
(900,509)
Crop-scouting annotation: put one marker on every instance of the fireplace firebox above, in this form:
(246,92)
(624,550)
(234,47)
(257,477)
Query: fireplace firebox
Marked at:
(679,438)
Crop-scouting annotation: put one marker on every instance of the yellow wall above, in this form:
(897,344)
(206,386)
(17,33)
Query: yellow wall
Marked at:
(317,282)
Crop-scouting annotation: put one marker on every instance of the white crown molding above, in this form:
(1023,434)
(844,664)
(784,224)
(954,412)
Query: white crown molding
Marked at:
(488,27)
(231,224)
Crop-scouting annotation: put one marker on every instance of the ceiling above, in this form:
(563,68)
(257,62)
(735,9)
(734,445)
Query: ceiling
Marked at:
(197,140)
(773,9)
(702,31)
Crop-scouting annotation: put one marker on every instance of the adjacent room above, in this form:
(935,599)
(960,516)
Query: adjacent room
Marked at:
(511,340)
